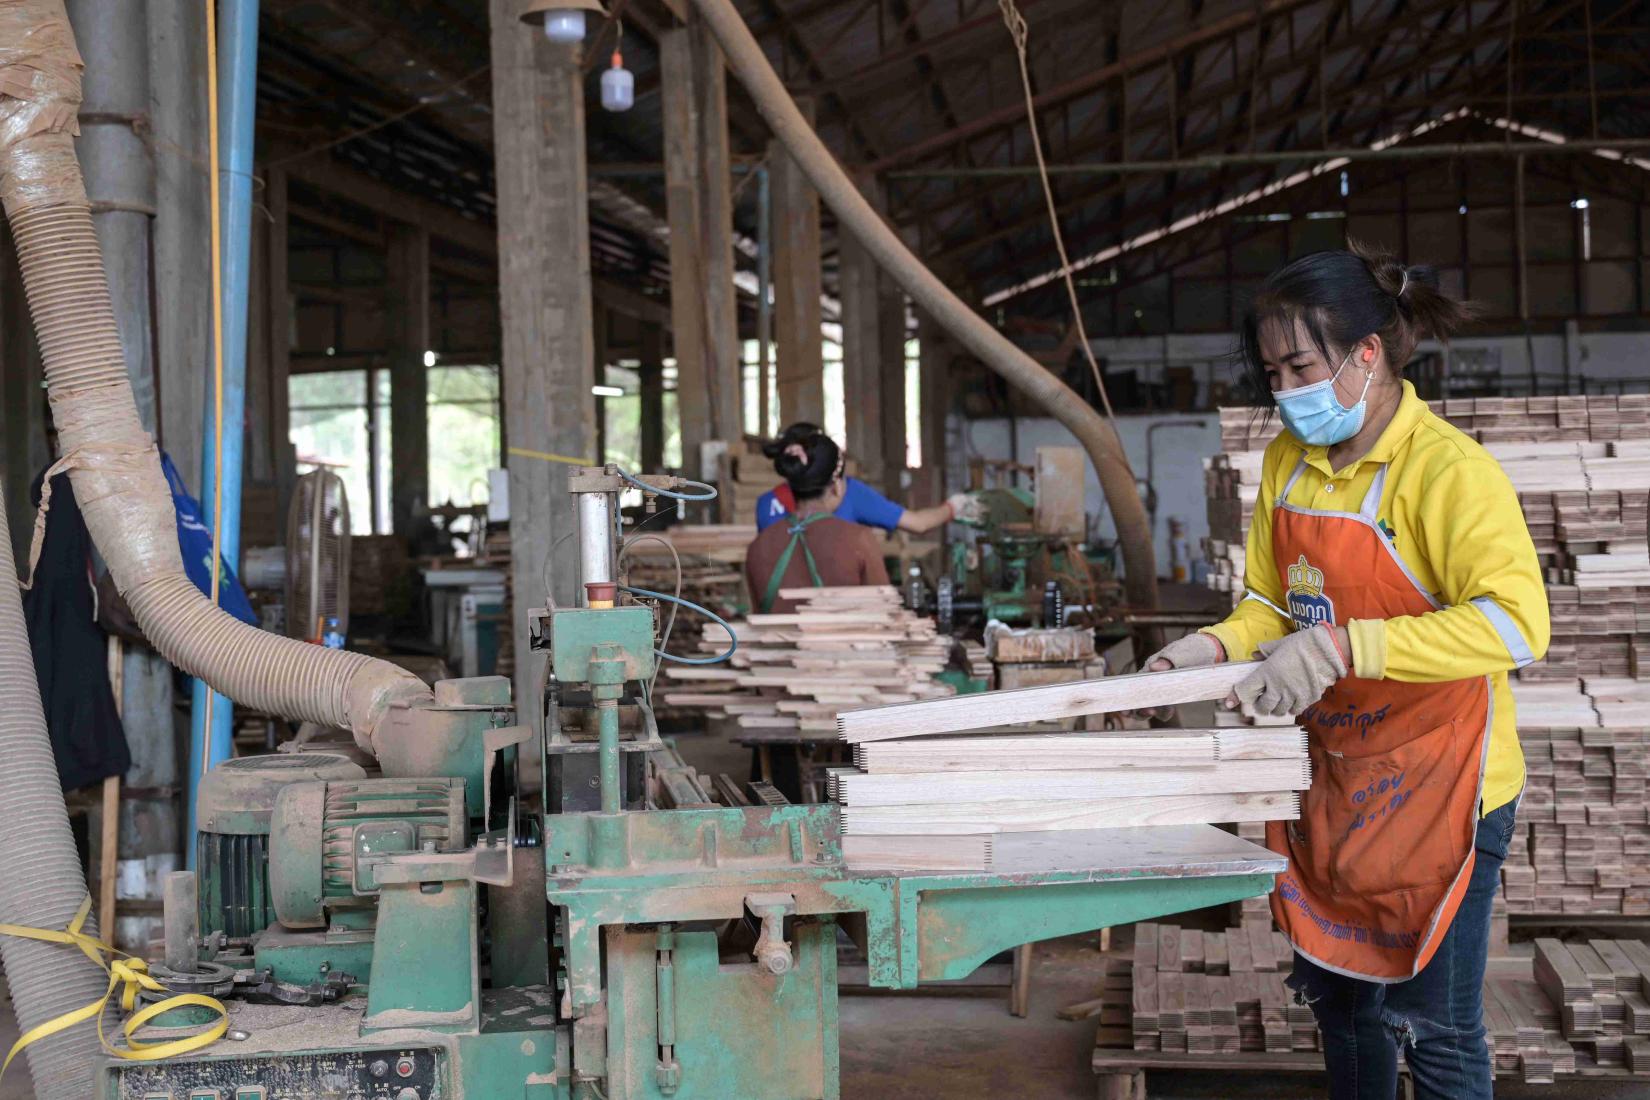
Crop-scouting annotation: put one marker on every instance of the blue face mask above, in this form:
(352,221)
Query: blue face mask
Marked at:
(1314,414)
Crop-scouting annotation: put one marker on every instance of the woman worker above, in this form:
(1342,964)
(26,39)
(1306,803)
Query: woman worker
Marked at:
(1392,585)
(859,503)
(815,545)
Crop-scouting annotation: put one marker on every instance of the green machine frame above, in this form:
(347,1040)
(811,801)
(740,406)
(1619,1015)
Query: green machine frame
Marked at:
(682,951)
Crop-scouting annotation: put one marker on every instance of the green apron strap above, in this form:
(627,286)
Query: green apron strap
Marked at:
(776,581)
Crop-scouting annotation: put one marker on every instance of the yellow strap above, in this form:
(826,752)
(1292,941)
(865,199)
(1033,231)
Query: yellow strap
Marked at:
(548,457)
(130,976)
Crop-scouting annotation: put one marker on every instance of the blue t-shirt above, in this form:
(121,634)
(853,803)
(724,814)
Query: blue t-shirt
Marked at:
(860,504)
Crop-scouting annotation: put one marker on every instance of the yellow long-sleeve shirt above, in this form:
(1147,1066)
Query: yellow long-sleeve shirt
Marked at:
(1454,519)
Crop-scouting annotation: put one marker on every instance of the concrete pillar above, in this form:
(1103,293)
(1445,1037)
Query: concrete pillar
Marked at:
(407,335)
(545,312)
(122,179)
(799,352)
(183,225)
(652,397)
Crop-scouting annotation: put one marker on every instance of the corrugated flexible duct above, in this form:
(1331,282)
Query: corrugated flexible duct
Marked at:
(1093,431)
(111,460)
(40,881)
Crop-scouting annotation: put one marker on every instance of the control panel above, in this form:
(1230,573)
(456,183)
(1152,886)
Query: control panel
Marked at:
(409,1073)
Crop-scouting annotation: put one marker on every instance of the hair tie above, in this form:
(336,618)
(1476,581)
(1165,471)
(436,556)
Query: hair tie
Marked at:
(1403,286)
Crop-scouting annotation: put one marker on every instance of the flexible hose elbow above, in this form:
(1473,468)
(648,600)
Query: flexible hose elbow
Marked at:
(111,460)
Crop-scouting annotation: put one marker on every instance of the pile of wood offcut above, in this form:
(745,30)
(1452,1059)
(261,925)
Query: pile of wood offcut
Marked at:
(916,801)
(1581,468)
(842,647)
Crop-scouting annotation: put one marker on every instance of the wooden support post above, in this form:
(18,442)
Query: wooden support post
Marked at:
(891,359)
(108,855)
(698,204)
(545,311)
(407,335)
(652,398)
(687,317)
(934,405)
(1019,991)
(862,362)
(723,369)
(278,333)
(798,345)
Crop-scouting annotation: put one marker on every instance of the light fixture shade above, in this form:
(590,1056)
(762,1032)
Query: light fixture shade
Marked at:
(537,11)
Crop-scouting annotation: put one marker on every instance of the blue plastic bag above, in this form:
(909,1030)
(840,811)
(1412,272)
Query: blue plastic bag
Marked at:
(195,543)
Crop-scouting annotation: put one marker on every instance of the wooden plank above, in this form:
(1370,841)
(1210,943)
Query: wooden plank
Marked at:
(1059,506)
(1117,693)
(917,853)
(1037,752)
(860,790)
(1102,813)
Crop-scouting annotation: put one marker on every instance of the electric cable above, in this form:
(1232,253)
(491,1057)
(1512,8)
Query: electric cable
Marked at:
(733,640)
(709,490)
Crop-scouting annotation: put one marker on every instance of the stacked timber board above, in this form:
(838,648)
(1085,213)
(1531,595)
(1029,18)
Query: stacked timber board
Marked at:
(1581,1008)
(1198,992)
(1598,998)
(1581,466)
(841,647)
(713,563)
(919,801)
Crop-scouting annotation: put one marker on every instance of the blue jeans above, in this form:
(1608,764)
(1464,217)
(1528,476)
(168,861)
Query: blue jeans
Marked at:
(1438,1015)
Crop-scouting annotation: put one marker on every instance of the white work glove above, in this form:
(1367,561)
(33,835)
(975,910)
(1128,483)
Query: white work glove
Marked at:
(1192,651)
(1294,672)
(967,508)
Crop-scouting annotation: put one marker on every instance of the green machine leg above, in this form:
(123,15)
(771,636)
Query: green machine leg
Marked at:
(683,1025)
(426,967)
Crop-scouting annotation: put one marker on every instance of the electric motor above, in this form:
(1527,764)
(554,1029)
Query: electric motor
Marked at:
(233,805)
(322,832)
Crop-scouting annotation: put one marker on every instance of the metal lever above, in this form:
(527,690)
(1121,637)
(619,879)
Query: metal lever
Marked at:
(771,949)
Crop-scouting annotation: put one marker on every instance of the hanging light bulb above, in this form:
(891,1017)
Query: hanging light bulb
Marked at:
(618,86)
(563,20)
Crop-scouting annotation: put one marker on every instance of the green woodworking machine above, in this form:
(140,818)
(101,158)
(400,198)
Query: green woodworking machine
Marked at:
(406,928)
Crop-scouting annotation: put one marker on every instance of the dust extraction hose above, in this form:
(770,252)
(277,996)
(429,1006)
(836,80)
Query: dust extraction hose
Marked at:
(40,881)
(112,462)
(1097,436)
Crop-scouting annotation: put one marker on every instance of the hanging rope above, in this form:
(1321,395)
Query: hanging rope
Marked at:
(1018,30)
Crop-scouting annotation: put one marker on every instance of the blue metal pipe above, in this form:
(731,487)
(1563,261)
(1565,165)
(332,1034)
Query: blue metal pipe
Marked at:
(237,94)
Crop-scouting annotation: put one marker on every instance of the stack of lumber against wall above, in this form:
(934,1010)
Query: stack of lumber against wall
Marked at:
(842,647)
(912,795)
(1582,1008)
(1581,466)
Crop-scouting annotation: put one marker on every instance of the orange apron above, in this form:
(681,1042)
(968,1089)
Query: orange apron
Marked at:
(1380,857)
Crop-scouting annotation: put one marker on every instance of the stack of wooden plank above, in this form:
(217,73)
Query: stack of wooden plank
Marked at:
(1581,467)
(713,564)
(1214,992)
(915,800)
(1583,842)
(1582,1008)
(841,647)
(1601,990)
